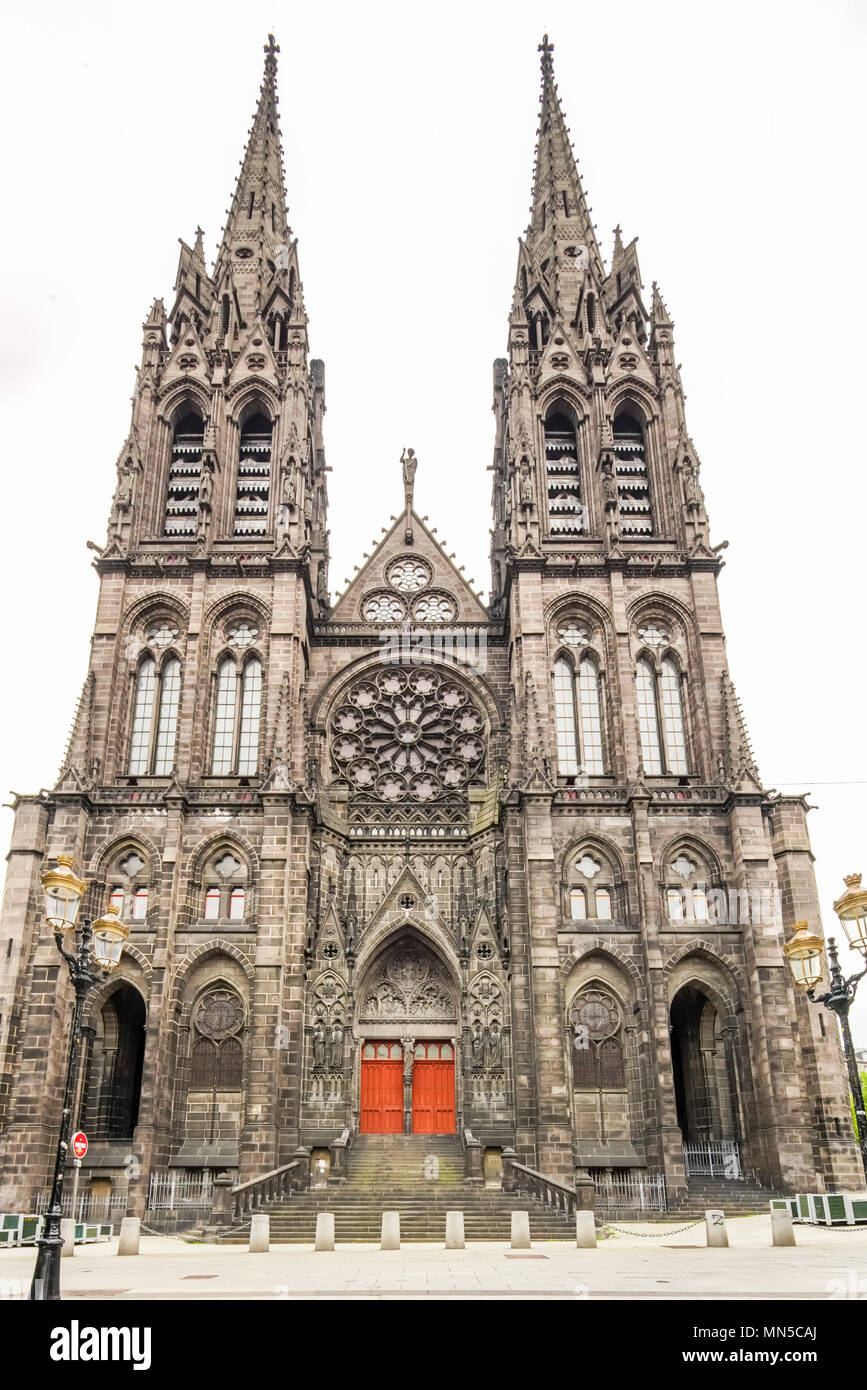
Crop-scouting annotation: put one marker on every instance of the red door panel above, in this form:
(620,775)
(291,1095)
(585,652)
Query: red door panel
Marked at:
(381,1097)
(433,1097)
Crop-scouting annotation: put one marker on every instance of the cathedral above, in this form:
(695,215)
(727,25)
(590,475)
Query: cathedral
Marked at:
(396,861)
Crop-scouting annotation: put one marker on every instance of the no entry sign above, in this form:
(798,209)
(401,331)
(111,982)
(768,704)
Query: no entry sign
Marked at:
(79,1144)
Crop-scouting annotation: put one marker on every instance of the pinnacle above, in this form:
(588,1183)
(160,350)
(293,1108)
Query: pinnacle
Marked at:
(558,195)
(257,221)
(658,311)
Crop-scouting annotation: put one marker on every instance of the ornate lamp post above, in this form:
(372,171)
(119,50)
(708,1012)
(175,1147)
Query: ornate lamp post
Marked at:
(98,952)
(804,952)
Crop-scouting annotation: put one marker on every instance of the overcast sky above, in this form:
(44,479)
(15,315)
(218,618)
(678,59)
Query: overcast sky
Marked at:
(729,139)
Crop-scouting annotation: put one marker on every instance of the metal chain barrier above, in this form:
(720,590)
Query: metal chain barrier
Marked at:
(165,1235)
(653,1235)
(820,1226)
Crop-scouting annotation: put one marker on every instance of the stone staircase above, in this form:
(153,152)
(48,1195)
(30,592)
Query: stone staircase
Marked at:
(420,1176)
(734,1198)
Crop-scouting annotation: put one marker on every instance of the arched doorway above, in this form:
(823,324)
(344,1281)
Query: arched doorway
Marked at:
(112,1091)
(706,1109)
(407,1025)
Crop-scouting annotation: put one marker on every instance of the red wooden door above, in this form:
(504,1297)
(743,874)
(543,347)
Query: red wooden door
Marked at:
(433,1089)
(382,1088)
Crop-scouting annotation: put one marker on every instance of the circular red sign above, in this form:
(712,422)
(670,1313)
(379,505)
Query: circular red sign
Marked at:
(79,1144)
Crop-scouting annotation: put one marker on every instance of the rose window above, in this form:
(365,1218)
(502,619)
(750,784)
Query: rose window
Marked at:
(162,634)
(434,608)
(241,634)
(598,1013)
(408,576)
(654,636)
(411,737)
(573,634)
(382,609)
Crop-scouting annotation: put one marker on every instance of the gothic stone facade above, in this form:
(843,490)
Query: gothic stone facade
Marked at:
(403,861)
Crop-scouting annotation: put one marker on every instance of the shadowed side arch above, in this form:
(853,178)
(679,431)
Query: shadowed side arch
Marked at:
(378,943)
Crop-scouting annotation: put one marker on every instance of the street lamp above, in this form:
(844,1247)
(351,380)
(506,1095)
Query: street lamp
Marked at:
(804,953)
(98,952)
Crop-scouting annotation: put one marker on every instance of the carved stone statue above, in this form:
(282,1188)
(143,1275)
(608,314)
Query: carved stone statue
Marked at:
(692,485)
(206,487)
(335,1047)
(478,1046)
(410,464)
(609,486)
(319,1043)
(526,482)
(495,1047)
(289,485)
(322,583)
(123,495)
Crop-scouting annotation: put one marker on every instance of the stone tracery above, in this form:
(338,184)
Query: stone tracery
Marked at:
(408,737)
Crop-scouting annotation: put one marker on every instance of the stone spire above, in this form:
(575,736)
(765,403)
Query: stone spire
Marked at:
(256,238)
(558,196)
(739,765)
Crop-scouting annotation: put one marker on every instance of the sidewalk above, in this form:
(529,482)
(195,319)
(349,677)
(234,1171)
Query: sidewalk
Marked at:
(647,1261)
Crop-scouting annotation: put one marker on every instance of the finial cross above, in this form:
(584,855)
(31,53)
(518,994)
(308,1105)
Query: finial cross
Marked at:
(546,49)
(271,50)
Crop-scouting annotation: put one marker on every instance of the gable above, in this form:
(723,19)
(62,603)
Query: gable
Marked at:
(415,581)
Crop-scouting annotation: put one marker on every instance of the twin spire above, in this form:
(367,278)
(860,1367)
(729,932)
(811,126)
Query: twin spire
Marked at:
(257,234)
(559,207)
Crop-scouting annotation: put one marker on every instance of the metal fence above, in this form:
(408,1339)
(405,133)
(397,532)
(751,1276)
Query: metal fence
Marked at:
(103,1210)
(631,1191)
(716,1158)
(173,1191)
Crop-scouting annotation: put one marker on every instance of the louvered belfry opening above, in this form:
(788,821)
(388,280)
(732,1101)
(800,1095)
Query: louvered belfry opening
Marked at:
(254,477)
(633,486)
(563,476)
(185,472)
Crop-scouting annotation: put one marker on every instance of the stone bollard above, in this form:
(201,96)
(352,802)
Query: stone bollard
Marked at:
(715,1222)
(474,1163)
(390,1238)
(130,1235)
(585,1230)
(260,1229)
(67,1230)
(782,1229)
(454,1230)
(521,1230)
(324,1231)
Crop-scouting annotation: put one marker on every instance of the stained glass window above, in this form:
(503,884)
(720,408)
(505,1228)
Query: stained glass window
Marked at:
(648,719)
(564,719)
(591,718)
(139,747)
(224,723)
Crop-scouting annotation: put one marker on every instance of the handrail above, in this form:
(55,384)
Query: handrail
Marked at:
(249,1196)
(559,1196)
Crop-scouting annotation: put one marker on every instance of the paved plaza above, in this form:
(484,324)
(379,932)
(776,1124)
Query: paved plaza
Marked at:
(640,1261)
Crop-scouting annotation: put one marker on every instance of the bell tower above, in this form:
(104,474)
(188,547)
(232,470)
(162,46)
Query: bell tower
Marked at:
(635,799)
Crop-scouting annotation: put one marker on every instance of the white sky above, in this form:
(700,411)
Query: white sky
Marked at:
(731,140)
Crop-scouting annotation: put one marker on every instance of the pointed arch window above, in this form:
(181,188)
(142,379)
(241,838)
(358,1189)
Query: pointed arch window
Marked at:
(563,476)
(185,471)
(686,892)
(590,887)
(155,718)
(660,718)
(236,718)
(578,718)
(253,487)
(633,485)
(598,1061)
(219,1036)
